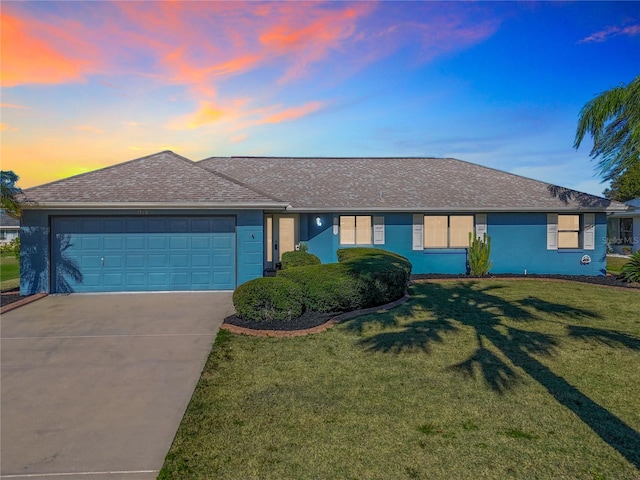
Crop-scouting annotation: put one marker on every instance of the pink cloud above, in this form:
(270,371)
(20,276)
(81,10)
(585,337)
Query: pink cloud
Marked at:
(12,105)
(29,56)
(293,113)
(612,31)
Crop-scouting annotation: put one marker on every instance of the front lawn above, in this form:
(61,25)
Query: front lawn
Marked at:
(469,379)
(615,264)
(9,271)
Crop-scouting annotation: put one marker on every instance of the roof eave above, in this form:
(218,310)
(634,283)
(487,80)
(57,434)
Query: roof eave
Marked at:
(454,209)
(154,205)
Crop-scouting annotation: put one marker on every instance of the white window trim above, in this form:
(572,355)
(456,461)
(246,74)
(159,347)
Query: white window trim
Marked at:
(586,234)
(376,232)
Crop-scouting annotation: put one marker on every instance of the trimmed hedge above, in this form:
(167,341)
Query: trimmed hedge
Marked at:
(364,277)
(298,259)
(268,298)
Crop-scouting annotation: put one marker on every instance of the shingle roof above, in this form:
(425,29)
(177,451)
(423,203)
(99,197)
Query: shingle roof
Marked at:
(433,184)
(8,222)
(634,203)
(161,178)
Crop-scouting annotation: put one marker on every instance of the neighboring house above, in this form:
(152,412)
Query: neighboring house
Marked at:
(163,222)
(623,229)
(9,228)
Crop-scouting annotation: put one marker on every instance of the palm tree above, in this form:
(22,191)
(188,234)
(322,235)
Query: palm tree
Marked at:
(613,120)
(9,191)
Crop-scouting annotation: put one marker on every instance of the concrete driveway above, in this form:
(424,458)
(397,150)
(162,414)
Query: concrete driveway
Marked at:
(95,386)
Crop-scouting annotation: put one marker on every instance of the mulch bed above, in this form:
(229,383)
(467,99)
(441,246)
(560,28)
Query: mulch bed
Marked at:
(10,296)
(607,280)
(307,320)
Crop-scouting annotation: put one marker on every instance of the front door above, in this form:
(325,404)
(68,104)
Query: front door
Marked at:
(281,237)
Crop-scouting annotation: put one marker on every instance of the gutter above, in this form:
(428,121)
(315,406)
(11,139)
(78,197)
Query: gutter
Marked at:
(154,206)
(456,209)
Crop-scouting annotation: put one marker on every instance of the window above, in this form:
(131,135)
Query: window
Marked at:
(444,231)
(626,231)
(361,230)
(355,230)
(568,231)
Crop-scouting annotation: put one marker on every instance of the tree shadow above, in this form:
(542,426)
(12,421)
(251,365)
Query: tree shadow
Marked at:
(566,196)
(35,266)
(67,271)
(452,306)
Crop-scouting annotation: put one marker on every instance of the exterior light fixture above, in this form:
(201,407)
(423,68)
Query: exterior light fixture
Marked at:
(318,221)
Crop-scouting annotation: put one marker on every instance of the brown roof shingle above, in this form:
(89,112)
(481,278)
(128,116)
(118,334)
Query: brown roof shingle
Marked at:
(161,178)
(429,184)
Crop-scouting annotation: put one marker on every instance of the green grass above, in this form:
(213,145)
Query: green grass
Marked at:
(615,264)
(484,379)
(9,271)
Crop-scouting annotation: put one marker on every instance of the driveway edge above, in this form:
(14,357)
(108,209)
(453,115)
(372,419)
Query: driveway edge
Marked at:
(20,303)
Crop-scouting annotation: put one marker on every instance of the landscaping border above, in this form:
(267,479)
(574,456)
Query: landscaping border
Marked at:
(317,329)
(13,305)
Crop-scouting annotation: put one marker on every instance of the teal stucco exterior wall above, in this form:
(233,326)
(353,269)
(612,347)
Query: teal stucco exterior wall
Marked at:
(519,243)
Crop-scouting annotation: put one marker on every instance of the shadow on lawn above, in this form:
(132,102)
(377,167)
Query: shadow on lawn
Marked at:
(468,304)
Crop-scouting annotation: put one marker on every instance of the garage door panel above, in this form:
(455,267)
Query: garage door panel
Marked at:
(222,260)
(113,225)
(152,253)
(135,242)
(200,261)
(113,261)
(200,242)
(91,279)
(179,226)
(135,280)
(157,242)
(156,260)
(178,242)
(91,226)
(136,260)
(90,261)
(200,278)
(111,242)
(135,225)
(114,279)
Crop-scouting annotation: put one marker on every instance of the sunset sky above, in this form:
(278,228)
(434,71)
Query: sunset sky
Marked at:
(89,84)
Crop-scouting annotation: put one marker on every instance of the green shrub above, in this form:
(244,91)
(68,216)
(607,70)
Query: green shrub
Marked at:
(12,247)
(326,288)
(630,271)
(479,252)
(364,277)
(298,259)
(268,298)
(385,273)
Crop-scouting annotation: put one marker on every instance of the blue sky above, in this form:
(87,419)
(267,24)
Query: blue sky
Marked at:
(89,84)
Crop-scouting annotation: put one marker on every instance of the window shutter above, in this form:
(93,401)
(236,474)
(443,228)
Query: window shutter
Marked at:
(418,236)
(552,231)
(481,225)
(589,233)
(378,230)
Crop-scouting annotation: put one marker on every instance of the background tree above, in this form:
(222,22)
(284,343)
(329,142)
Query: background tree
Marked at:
(613,120)
(9,191)
(626,186)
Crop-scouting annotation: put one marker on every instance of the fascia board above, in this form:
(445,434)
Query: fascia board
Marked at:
(455,209)
(152,206)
